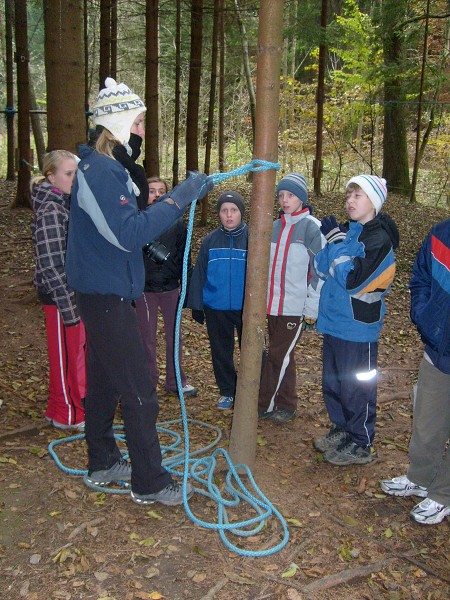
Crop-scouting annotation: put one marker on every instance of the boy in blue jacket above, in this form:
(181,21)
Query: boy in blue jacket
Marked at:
(358,267)
(428,475)
(216,290)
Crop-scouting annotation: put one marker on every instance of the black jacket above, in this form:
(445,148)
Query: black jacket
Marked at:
(167,275)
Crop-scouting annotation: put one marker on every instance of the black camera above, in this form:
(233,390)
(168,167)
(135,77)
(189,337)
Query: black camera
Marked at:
(157,252)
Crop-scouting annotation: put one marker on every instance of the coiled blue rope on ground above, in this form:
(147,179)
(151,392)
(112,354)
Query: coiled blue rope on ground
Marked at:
(202,470)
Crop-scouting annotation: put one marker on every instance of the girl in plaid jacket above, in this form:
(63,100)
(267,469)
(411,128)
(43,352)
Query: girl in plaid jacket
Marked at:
(50,197)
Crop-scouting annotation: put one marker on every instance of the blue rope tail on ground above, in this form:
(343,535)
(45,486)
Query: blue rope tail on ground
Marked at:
(183,462)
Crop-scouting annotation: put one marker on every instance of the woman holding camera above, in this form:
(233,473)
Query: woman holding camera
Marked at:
(163,261)
(104,265)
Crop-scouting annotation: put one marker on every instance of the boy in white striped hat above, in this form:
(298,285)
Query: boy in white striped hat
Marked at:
(358,267)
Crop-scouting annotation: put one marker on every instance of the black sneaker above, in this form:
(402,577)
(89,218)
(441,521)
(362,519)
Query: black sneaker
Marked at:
(349,453)
(120,471)
(171,495)
(264,414)
(283,415)
(331,440)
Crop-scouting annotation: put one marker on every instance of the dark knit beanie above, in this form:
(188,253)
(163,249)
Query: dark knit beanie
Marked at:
(296,184)
(232,197)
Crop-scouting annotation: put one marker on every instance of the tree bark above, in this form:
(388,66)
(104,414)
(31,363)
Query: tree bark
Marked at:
(247,69)
(195,70)
(221,119)
(9,17)
(320,98)
(395,147)
(113,39)
(64,74)
(212,101)
(152,90)
(104,70)
(176,125)
(39,141)
(22,198)
(245,421)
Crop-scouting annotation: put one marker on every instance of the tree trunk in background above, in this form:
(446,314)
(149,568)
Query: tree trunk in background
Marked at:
(395,148)
(176,126)
(39,141)
(9,18)
(104,70)
(320,98)
(86,62)
(247,69)
(412,197)
(64,73)
(195,70)
(114,39)
(221,120)
(152,89)
(242,446)
(212,100)
(23,100)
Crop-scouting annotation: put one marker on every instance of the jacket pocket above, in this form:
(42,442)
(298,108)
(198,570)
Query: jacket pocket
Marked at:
(366,312)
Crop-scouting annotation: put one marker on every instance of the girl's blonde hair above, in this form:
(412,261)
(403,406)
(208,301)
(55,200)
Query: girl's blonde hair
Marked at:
(156,179)
(50,164)
(106,143)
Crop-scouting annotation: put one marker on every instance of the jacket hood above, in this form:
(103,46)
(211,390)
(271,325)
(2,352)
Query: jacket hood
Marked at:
(44,192)
(388,224)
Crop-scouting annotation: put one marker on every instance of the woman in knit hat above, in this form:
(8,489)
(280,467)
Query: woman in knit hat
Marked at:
(104,265)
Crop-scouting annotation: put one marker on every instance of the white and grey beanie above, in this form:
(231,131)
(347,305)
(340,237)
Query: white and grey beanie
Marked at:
(116,108)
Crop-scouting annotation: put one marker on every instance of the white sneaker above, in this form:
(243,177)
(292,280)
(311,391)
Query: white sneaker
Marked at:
(65,427)
(429,512)
(402,486)
(189,390)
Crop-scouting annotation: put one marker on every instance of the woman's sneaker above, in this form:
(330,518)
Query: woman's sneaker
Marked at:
(402,486)
(65,427)
(429,512)
(225,402)
(331,440)
(171,495)
(119,472)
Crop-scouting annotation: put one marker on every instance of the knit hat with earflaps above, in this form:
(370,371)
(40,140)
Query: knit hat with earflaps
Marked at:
(116,109)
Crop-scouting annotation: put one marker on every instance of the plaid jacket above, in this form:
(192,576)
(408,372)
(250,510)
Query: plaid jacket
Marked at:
(49,234)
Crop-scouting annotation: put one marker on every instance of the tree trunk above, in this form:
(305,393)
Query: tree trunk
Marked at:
(176,126)
(195,70)
(39,141)
(245,420)
(412,197)
(23,99)
(247,69)
(212,101)
(64,74)
(105,43)
(395,147)
(9,17)
(86,61)
(221,119)
(320,98)
(152,89)
(114,39)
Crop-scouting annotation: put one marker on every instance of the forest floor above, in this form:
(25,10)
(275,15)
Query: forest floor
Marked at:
(61,540)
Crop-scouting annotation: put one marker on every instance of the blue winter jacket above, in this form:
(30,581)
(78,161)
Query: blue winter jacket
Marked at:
(358,273)
(430,294)
(107,231)
(218,278)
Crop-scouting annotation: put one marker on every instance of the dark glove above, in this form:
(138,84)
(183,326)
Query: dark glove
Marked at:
(194,187)
(309,324)
(331,229)
(199,316)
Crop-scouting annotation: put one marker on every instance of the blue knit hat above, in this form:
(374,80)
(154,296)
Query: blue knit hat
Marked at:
(296,184)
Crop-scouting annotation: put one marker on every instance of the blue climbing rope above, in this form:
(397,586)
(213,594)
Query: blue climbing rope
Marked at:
(186,464)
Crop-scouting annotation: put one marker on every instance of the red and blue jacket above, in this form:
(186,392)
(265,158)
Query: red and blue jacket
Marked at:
(430,295)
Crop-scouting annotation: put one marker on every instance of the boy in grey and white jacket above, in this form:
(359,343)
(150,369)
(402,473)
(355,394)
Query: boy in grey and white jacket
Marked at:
(292,296)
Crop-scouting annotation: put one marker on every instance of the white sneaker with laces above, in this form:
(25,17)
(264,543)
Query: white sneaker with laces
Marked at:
(189,390)
(402,486)
(429,512)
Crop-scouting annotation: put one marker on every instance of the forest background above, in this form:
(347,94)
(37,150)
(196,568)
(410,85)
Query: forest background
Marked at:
(364,85)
